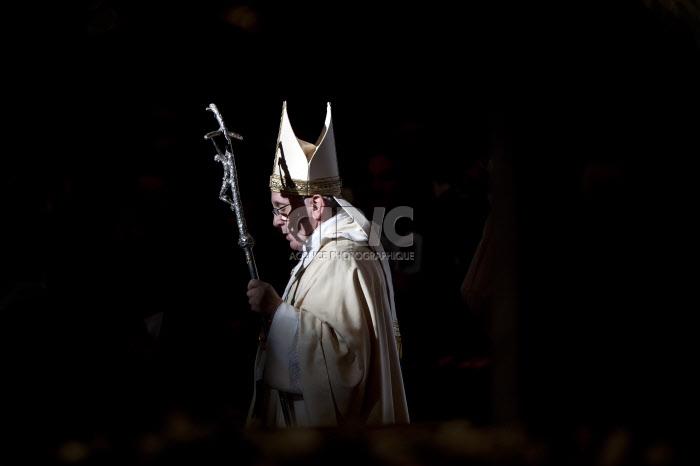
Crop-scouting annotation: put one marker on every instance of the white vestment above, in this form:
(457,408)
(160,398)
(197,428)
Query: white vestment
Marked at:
(331,349)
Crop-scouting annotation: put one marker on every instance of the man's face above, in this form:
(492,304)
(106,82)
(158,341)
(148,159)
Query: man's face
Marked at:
(292,218)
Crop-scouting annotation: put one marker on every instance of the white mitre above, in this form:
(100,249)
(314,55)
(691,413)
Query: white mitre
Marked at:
(304,168)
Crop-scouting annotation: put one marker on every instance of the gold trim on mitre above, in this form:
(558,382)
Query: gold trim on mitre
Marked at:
(325,186)
(301,167)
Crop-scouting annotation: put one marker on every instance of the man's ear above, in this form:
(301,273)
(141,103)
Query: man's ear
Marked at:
(318,207)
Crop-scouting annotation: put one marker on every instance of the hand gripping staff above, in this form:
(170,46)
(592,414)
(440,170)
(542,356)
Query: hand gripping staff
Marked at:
(245,240)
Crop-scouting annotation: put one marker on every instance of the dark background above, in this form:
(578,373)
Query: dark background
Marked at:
(588,111)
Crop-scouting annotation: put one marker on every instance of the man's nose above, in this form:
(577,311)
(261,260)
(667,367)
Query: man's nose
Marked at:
(277,220)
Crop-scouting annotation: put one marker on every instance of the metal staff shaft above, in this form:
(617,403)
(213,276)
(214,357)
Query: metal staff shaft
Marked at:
(245,240)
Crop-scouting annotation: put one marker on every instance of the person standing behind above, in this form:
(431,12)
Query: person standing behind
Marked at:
(331,353)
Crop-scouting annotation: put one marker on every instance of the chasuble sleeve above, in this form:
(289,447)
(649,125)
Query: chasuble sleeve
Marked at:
(281,350)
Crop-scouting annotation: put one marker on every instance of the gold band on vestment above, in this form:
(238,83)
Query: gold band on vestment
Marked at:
(397,337)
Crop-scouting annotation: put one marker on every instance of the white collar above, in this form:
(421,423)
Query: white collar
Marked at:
(327,229)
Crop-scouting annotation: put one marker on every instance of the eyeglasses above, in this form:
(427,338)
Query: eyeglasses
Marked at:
(282,215)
